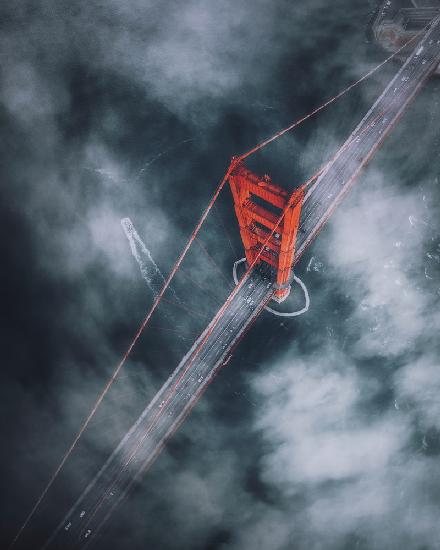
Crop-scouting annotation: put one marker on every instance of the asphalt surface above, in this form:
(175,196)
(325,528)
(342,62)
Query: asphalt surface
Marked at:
(212,349)
(339,176)
(162,416)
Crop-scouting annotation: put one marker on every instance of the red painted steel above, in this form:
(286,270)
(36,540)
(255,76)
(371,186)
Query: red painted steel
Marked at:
(258,203)
(271,243)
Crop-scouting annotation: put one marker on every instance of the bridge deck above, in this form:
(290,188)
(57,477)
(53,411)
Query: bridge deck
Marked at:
(184,387)
(162,416)
(337,179)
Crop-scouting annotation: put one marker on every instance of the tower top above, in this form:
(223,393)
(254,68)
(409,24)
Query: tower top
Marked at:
(259,204)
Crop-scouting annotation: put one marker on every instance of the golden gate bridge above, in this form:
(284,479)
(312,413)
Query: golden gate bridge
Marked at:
(276,227)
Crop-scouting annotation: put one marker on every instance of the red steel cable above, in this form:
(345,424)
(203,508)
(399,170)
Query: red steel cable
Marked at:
(148,464)
(330,101)
(125,357)
(177,265)
(221,311)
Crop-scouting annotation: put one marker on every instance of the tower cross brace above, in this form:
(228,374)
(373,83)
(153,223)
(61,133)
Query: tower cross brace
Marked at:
(258,204)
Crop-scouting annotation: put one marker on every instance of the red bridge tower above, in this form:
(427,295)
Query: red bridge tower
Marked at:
(259,205)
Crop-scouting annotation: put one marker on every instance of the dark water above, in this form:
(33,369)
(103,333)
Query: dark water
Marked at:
(321,432)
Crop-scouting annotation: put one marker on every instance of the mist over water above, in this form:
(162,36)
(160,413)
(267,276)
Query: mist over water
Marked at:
(322,431)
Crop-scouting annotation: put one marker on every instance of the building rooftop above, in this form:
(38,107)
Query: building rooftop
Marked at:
(397,21)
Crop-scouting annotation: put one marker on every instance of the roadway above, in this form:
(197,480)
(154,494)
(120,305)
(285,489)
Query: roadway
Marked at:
(212,349)
(162,416)
(338,178)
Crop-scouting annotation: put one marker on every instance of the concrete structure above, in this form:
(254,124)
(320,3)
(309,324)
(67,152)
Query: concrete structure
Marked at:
(398,21)
(340,174)
(213,348)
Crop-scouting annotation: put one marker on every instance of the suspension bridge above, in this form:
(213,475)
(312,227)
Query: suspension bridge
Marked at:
(276,228)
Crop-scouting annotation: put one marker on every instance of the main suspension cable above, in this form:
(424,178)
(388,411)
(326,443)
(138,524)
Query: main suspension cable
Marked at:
(330,101)
(180,259)
(294,198)
(125,357)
